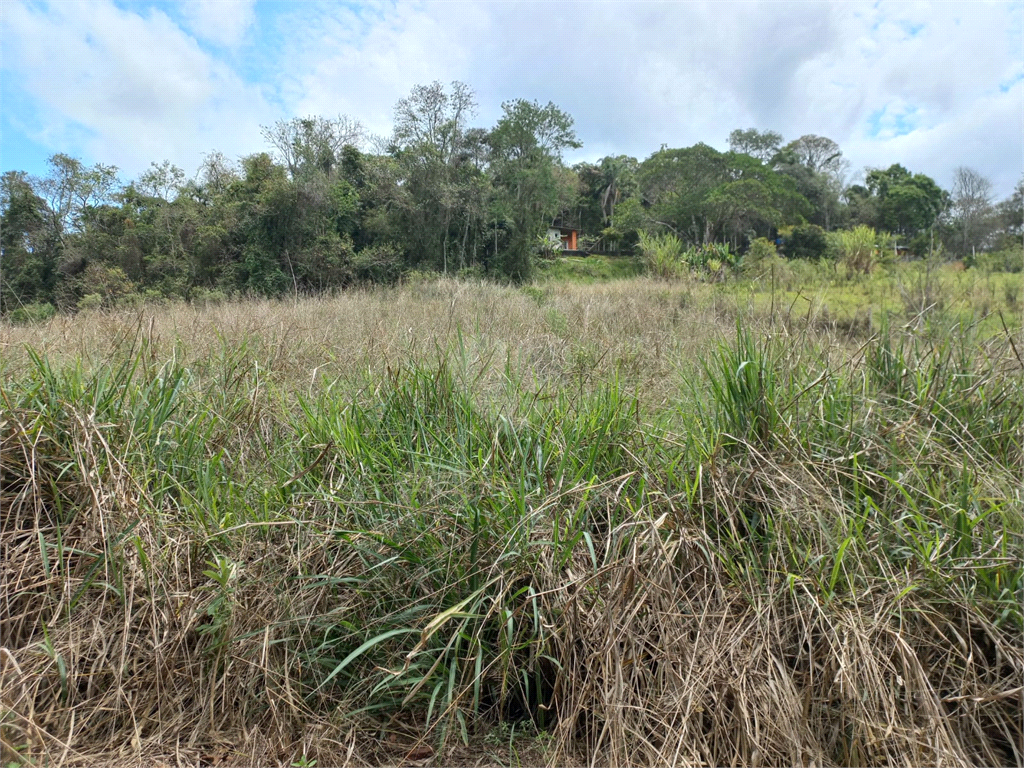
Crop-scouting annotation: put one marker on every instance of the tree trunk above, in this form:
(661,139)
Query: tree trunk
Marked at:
(462,253)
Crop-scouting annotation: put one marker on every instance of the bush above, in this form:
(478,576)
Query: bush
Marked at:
(807,241)
(546,248)
(109,284)
(131,300)
(1008,260)
(662,255)
(759,256)
(923,245)
(326,262)
(380,263)
(665,257)
(857,248)
(90,301)
(33,313)
(472,273)
(207,296)
(711,257)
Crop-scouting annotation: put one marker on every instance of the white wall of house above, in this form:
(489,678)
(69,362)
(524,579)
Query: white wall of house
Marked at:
(555,236)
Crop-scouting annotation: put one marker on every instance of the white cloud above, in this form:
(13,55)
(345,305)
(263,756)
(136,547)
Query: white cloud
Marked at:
(359,62)
(127,88)
(636,76)
(929,85)
(223,22)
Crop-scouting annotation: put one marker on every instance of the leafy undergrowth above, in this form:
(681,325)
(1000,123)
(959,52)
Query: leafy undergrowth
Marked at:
(824,294)
(809,564)
(588,269)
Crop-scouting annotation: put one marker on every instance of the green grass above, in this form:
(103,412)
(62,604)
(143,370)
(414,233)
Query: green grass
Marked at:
(823,294)
(588,269)
(811,552)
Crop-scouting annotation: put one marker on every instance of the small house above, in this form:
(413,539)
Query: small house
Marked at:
(567,236)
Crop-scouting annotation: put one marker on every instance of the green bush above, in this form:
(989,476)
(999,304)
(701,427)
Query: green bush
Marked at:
(807,241)
(90,301)
(109,284)
(589,269)
(857,248)
(759,256)
(33,313)
(380,263)
(207,296)
(1008,260)
(662,255)
(711,257)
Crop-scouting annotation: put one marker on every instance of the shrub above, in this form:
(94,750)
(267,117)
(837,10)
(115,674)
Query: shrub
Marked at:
(807,241)
(33,313)
(701,256)
(1008,260)
(108,283)
(589,243)
(471,273)
(760,254)
(207,296)
(662,255)
(547,248)
(665,257)
(380,263)
(922,245)
(326,262)
(131,300)
(857,248)
(90,301)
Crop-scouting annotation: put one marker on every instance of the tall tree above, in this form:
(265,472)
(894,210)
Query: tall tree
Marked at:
(763,145)
(1009,216)
(434,120)
(531,183)
(435,194)
(28,259)
(971,208)
(70,187)
(818,154)
(312,145)
(162,180)
(704,195)
(906,203)
(618,177)
(817,166)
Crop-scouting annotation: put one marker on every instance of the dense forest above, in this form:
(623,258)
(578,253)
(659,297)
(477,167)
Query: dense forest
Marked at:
(327,206)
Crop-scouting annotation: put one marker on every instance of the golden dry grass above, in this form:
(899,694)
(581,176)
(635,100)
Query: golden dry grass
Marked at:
(645,328)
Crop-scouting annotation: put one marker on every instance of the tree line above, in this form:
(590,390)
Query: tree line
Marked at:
(327,206)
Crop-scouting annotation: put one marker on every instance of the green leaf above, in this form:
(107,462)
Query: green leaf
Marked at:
(361,650)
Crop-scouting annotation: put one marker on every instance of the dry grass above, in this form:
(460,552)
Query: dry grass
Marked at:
(646,330)
(465,524)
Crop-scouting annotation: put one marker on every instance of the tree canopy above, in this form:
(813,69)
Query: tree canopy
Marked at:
(320,210)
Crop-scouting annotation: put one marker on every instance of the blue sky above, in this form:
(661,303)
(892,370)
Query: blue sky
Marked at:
(930,85)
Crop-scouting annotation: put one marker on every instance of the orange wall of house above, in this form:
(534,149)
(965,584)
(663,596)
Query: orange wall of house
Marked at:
(572,240)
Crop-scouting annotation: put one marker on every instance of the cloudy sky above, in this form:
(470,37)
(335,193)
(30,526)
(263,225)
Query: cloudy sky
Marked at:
(929,85)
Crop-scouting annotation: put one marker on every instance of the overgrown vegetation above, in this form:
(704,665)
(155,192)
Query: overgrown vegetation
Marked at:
(329,208)
(636,523)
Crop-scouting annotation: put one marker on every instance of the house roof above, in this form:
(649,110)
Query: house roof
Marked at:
(558,223)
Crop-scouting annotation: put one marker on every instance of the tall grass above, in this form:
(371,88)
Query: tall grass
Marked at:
(811,554)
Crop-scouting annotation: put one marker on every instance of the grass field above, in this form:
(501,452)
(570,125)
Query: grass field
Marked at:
(613,523)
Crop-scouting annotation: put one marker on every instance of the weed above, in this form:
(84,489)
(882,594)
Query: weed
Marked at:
(647,523)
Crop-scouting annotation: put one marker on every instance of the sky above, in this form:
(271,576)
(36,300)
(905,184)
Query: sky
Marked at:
(930,85)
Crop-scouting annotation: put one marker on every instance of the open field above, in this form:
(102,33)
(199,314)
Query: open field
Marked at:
(620,523)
